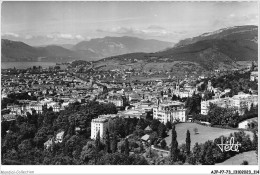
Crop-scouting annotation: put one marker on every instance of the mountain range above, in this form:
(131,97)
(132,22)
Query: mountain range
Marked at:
(226,46)
(86,50)
(207,51)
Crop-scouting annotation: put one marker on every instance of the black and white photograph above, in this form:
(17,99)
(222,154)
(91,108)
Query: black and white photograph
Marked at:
(137,83)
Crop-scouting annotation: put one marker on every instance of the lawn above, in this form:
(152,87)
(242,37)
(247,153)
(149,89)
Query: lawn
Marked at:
(249,156)
(205,133)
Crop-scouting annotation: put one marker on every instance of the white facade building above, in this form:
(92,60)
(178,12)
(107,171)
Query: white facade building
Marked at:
(36,106)
(59,136)
(254,76)
(170,111)
(221,102)
(118,101)
(100,125)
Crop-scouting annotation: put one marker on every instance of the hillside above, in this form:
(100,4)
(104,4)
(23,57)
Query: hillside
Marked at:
(222,47)
(12,50)
(248,32)
(19,51)
(207,52)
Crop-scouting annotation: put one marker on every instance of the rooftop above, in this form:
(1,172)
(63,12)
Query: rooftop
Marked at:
(171,103)
(60,134)
(104,118)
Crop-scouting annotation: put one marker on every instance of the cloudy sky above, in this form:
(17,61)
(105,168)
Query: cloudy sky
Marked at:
(41,23)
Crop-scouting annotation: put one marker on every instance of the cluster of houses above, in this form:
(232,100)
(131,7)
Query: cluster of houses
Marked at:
(134,100)
(166,111)
(26,107)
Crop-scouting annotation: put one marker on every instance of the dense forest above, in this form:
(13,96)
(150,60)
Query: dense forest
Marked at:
(23,139)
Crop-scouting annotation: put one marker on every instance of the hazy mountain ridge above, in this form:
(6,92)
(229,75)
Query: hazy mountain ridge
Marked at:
(208,50)
(224,46)
(94,49)
(19,51)
(111,46)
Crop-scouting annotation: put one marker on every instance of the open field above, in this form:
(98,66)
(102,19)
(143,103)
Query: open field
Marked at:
(249,156)
(205,133)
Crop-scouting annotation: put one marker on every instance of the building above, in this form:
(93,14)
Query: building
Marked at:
(185,92)
(221,102)
(145,138)
(56,108)
(170,111)
(9,117)
(244,101)
(254,76)
(239,102)
(36,106)
(48,143)
(134,97)
(147,106)
(59,136)
(246,123)
(118,101)
(100,125)
(15,109)
(132,113)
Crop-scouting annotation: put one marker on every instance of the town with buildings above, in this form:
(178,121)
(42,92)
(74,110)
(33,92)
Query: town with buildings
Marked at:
(129,83)
(160,102)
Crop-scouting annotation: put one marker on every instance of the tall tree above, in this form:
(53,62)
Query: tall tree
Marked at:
(168,125)
(255,142)
(208,159)
(126,147)
(114,143)
(196,153)
(97,142)
(107,141)
(163,144)
(155,124)
(188,141)
(162,130)
(174,146)
(97,147)
(252,66)
(88,152)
